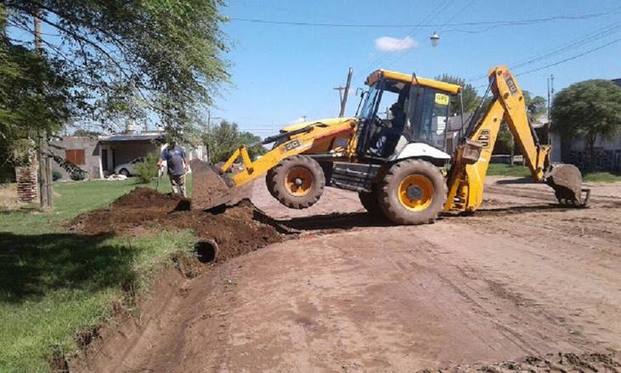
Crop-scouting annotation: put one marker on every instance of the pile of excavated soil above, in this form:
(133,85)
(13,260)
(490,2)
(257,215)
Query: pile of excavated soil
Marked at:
(560,362)
(237,230)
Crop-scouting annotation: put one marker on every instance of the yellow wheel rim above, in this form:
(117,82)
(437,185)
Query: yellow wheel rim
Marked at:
(299,181)
(415,192)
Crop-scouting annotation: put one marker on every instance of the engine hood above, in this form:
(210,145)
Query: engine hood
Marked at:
(324,122)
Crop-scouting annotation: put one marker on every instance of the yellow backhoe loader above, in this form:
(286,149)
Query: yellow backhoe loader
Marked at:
(400,163)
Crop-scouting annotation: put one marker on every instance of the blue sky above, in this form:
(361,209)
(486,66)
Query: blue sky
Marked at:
(281,73)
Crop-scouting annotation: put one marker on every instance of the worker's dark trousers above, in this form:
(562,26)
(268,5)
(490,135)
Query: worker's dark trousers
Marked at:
(177,182)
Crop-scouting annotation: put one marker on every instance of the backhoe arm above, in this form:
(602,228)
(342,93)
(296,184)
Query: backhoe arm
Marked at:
(510,96)
(472,157)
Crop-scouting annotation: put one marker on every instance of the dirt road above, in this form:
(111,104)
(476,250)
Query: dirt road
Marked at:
(520,277)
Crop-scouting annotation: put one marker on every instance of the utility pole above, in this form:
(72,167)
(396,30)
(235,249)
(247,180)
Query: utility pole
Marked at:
(548,102)
(45,164)
(550,81)
(344,92)
(551,88)
(207,136)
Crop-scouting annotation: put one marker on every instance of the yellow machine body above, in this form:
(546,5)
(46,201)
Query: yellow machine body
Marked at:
(335,140)
(334,136)
(324,136)
(467,178)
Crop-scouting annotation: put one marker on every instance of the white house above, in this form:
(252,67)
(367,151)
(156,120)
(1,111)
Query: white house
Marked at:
(100,155)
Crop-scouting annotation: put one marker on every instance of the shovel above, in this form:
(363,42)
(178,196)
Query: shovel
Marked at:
(159,176)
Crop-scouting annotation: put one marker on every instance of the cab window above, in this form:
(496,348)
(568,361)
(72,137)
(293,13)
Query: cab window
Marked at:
(427,114)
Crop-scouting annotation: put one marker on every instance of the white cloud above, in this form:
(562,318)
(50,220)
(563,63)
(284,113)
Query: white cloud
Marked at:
(299,120)
(390,44)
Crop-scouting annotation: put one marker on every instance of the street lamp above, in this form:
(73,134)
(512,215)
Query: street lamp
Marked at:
(435,39)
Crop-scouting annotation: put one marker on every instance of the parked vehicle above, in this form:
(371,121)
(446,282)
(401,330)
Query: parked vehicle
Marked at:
(129,168)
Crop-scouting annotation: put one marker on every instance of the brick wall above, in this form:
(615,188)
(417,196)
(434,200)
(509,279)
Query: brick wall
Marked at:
(27,183)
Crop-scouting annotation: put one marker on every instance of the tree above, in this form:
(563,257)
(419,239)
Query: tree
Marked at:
(34,98)
(152,60)
(588,109)
(469,94)
(534,105)
(86,133)
(224,138)
(505,143)
(108,62)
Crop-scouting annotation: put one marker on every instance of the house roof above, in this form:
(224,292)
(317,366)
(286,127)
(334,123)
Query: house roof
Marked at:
(131,138)
(617,81)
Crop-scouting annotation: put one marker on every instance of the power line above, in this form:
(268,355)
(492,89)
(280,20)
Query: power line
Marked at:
(528,21)
(580,42)
(459,11)
(571,58)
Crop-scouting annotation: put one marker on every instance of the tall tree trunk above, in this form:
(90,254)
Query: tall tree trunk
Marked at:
(46,194)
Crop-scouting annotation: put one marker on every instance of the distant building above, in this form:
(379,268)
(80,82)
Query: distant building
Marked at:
(100,155)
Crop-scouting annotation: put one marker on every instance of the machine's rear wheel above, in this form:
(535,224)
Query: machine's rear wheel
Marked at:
(412,192)
(369,201)
(269,181)
(297,182)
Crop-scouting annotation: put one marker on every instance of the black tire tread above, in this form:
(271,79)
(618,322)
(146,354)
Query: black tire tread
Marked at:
(392,208)
(369,202)
(277,185)
(269,182)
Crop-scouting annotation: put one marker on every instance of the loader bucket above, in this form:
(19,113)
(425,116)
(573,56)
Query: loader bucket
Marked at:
(566,180)
(211,190)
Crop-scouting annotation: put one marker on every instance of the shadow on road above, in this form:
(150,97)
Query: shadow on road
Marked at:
(511,210)
(335,222)
(521,180)
(345,221)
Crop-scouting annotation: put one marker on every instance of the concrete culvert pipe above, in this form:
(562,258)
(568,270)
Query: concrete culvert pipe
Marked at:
(206,251)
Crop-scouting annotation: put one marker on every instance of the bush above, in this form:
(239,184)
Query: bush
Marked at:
(147,170)
(56,175)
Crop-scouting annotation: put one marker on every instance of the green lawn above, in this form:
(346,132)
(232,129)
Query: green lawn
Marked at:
(602,177)
(500,169)
(54,284)
(496,169)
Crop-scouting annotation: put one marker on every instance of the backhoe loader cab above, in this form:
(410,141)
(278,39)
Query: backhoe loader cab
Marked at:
(404,116)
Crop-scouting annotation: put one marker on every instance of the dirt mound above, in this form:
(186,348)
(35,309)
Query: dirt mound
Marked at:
(237,230)
(561,362)
(146,198)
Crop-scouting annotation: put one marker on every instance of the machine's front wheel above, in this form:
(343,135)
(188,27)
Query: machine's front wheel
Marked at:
(297,182)
(412,192)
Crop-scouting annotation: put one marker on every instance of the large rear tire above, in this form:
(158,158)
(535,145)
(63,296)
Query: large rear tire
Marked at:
(269,181)
(412,192)
(297,182)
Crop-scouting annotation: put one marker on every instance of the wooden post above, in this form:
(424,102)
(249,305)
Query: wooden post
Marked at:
(45,163)
(346,93)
